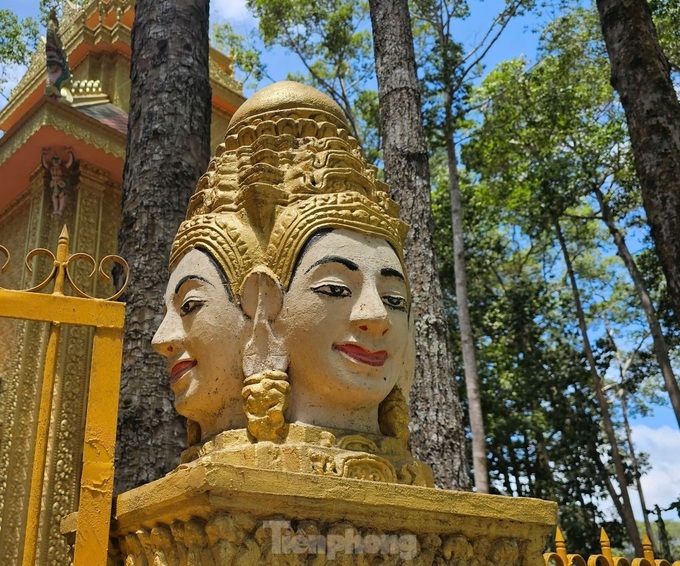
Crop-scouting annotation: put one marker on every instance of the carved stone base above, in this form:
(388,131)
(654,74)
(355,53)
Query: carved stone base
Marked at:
(321,451)
(211,513)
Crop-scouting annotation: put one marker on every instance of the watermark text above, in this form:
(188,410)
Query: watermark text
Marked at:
(286,541)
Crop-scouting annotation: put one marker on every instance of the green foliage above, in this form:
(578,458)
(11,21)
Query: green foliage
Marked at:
(244,51)
(441,60)
(666,15)
(541,419)
(448,69)
(546,137)
(333,42)
(668,535)
(18,39)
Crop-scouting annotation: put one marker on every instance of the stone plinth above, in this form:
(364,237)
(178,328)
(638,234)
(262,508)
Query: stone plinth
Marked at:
(211,513)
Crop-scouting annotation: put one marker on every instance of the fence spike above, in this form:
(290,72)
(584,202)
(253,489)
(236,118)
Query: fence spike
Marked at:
(647,549)
(561,546)
(605,546)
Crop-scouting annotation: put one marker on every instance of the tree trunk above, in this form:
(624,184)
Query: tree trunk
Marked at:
(660,346)
(467,338)
(626,508)
(641,75)
(636,471)
(167,150)
(437,430)
(592,450)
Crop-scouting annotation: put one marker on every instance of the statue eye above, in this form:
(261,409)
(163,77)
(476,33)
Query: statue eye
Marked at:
(395,302)
(190,306)
(332,290)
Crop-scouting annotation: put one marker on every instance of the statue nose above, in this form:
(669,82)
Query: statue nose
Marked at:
(167,337)
(366,328)
(370,314)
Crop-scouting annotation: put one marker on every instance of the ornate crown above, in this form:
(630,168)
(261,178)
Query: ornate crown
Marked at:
(287,168)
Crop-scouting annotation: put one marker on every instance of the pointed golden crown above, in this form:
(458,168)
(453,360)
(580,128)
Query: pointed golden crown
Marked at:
(286,169)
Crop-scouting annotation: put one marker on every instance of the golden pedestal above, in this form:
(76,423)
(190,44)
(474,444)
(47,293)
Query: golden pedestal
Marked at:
(209,512)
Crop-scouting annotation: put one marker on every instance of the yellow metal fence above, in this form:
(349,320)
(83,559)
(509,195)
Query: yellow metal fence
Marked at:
(562,558)
(107,317)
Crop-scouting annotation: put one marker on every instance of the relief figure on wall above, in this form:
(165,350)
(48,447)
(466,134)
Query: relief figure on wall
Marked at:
(61,176)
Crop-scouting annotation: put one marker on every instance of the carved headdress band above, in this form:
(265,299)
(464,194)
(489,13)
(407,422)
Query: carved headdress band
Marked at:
(287,168)
(226,238)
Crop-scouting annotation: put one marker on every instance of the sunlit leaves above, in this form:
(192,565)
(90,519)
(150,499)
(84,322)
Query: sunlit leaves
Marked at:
(666,15)
(243,50)
(333,42)
(18,39)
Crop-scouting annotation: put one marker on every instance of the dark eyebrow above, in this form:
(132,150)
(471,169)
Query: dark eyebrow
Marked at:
(186,278)
(389,272)
(334,259)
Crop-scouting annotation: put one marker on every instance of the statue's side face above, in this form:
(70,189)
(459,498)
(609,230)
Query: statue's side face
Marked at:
(345,323)
(202,337)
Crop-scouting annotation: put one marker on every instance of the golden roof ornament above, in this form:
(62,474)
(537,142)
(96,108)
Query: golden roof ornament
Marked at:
(58,72)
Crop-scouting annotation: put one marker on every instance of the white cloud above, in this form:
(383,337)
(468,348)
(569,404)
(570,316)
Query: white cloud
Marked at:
(661,484)
(234,11)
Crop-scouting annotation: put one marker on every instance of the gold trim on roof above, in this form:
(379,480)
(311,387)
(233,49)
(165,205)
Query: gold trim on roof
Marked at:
(61,118)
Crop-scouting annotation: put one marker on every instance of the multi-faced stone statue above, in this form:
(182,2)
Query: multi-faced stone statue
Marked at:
(204,328)
(288,331)
(202,337)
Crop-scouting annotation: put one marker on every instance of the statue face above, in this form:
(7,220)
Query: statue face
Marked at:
(345,321)
(202,337)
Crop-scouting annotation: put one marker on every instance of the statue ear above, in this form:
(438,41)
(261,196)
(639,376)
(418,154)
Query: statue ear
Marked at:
(262,298)
(262,295)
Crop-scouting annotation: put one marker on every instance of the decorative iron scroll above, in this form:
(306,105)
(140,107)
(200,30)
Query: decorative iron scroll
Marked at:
(61,265)
(107,317)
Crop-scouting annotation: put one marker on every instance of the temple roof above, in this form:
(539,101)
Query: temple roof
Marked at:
(108,114)
(96,40)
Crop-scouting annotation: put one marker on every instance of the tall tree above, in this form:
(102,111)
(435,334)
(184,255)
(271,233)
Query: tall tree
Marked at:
(565,99)
(542,421)
(167,150)
(438,435)
(660,345)
(446,71)
(626,508)
(641,75)
(624,364)
(548,146)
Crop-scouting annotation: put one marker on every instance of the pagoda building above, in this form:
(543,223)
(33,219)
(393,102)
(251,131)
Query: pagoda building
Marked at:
(61,163)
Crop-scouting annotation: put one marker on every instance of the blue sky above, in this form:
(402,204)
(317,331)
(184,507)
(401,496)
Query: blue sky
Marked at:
(657,434)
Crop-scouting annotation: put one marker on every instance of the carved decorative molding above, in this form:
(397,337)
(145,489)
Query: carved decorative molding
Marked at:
(223,78)
(241,539)
(25,225)
(241,516)
(63,119)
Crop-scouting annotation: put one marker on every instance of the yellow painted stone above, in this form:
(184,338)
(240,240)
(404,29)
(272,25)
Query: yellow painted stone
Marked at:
(222,514)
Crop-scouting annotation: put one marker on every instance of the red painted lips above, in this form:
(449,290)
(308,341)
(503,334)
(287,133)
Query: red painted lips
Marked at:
(179,369)
(362,355)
